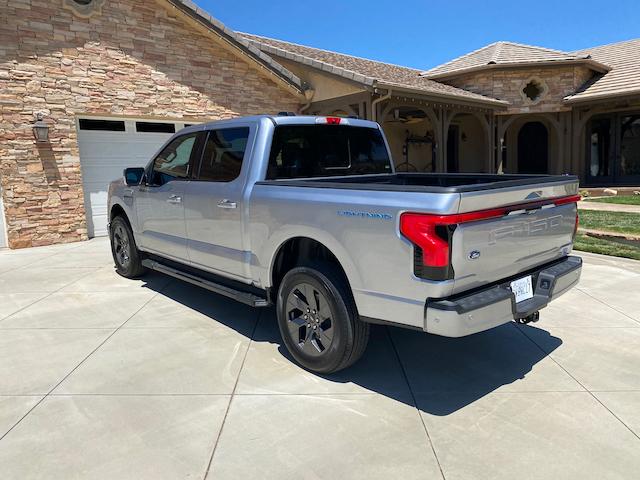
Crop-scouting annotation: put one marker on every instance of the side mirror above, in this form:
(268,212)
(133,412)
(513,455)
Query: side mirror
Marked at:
(133,176)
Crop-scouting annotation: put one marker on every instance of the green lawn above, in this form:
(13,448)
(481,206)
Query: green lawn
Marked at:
(621,222)
(606,247)
(622,200)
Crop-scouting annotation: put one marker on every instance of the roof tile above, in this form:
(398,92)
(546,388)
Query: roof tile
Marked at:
(500,53)
(364,70)
(624,77)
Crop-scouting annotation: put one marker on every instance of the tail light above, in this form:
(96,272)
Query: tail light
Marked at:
(431,237)
(332,121)
(571,199)
(431,234)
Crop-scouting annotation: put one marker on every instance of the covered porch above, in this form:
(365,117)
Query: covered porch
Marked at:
(424,135)
(600,143)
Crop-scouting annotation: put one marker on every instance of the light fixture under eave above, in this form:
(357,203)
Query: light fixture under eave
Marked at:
(40,129)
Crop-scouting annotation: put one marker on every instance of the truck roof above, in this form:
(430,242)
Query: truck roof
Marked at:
(281,120)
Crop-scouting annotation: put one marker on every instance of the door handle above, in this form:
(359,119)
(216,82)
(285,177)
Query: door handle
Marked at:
(227,204)
(174,199)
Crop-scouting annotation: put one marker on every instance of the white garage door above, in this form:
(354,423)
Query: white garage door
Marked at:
(107,146)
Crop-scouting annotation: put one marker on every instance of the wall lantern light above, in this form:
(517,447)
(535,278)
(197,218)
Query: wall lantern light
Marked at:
(40,128)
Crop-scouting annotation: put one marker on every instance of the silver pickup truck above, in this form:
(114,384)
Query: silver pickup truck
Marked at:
(308,214)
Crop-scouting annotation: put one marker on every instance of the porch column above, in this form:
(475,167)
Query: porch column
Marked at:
(446,116)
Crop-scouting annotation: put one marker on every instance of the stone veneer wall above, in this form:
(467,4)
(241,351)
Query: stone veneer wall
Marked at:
(135,58)
(507,83)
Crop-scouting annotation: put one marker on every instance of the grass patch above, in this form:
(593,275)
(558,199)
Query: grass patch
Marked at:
(620,200)
(606,247)
(621,222)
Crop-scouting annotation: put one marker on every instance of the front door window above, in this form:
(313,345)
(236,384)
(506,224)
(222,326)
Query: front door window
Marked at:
(600,147)
(173,161)
(613,149)
(630,145)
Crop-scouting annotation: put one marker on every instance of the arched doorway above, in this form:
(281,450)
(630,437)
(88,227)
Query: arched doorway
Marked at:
(411,138)
(533,148)
(467,144)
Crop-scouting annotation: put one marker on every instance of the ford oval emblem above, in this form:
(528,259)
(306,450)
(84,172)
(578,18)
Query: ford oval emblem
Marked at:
(474,254)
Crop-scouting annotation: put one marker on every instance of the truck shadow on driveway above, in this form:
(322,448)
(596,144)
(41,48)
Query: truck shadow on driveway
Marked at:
(441,375)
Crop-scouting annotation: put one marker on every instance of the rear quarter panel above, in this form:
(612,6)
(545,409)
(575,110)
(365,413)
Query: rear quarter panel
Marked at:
(361,229)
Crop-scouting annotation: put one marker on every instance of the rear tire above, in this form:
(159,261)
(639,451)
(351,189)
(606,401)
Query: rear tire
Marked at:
(123,248)
(318,319)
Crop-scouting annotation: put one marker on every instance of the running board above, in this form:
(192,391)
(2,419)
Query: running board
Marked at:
(238,295)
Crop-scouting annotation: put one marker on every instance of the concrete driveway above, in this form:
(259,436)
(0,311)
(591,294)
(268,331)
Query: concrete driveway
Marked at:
(102,377)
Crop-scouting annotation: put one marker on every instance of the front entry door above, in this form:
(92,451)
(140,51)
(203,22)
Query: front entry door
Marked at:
(533,148)
(214,205)
(160,201)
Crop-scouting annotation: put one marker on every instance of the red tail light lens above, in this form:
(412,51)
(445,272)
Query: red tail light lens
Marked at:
(333,120)
(565,200)
(421,231)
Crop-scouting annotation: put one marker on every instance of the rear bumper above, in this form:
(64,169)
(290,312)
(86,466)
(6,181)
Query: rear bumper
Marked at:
(489,307)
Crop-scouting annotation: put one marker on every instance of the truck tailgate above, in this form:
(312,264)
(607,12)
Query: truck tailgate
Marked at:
(537,228)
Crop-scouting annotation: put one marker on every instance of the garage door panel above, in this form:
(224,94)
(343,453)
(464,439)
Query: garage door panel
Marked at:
(103,157)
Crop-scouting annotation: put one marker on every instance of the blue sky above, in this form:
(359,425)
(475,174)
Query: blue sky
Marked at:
(423,34)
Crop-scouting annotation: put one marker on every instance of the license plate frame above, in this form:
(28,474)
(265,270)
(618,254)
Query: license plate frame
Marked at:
(522,288)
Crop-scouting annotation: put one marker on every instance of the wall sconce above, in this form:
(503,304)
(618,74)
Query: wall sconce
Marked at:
(40,128)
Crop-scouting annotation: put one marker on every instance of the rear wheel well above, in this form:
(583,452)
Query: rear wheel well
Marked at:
(302,251)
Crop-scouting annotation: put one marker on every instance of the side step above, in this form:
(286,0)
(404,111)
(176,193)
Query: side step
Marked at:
(238,295)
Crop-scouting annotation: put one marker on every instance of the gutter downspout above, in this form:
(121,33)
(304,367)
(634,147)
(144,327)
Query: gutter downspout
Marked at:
(309,93)
(374,104)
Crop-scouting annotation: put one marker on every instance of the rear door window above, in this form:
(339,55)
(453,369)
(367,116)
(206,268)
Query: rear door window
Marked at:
(223,154)
(303,151)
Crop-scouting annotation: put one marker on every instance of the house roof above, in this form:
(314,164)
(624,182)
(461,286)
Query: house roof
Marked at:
(234,40)
(501,54)
(624,77)
(364,71)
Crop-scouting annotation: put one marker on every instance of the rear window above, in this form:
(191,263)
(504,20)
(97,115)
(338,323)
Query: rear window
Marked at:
(302,151)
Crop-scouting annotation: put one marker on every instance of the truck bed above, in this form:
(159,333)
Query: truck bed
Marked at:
(426,182)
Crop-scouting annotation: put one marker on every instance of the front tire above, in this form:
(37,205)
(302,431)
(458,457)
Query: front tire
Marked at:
(124,250)
(318,320)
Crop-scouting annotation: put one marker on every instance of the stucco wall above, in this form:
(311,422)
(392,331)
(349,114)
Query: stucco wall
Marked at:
(326,86)
(135,58)
(473,148)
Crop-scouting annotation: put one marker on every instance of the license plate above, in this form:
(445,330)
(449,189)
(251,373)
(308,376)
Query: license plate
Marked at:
(522,288)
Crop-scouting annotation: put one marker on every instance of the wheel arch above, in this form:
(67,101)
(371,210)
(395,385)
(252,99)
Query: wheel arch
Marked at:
(301,251)
(116,210)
